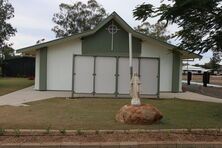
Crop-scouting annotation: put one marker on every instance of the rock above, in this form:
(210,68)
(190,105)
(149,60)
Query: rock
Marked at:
(143,114)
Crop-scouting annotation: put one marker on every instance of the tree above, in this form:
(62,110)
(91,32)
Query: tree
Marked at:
(157,30)
(7,52)
(6,30)
(77,18)
(214,63)
(200,21)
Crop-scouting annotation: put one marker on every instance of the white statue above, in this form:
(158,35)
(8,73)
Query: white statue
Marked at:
(135,90)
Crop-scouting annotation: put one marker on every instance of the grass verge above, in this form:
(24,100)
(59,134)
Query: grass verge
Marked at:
(59,113)
(8,85)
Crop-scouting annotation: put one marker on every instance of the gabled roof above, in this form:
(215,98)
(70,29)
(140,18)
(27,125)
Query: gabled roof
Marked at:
(122,23)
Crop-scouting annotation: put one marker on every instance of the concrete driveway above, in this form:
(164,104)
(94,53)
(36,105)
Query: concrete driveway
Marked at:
(190,96)
(19,98)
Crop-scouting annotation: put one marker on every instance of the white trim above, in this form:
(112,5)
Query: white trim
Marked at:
(130,49)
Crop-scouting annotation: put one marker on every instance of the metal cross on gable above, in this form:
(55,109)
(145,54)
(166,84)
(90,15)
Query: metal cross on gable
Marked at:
(112,29)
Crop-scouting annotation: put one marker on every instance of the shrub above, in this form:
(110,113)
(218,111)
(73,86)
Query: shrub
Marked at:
(47,130)
(97,132)
(62,131)
(2,131)
(79,132)
(17,132)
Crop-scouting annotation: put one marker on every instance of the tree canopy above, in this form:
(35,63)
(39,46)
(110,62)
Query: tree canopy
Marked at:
(6,29)
(7,52)
(77,17)
(157,30)
(214,63)
(200,21)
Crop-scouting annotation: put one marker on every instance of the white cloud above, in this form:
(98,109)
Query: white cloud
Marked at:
(23,40)
(201,61)
(28,22)
(205,59)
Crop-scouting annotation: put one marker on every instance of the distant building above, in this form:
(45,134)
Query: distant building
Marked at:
(194,69)
(19,66)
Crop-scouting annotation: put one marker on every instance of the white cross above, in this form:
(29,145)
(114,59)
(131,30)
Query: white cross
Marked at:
(112,29)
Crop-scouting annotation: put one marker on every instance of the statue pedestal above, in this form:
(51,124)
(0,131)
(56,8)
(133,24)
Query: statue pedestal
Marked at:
(137,113)
(135,102)
(143,114)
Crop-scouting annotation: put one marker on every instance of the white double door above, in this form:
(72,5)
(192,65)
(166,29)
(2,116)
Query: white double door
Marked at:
(106,75)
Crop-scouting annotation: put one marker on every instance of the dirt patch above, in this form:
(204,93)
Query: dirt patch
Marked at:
(117,137)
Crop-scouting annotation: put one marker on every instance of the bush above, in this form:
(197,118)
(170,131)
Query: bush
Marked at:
(62,131)
(17,132)
(2,131)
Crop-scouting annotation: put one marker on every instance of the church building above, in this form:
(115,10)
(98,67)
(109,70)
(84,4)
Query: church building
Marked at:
(96,62)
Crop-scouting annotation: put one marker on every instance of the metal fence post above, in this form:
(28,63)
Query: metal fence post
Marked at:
(117,75)
(73,75)
(139,60)
(94,76)
(158,85)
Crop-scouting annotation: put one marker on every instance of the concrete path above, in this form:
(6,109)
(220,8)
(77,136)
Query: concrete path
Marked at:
(198,83)
(190,96)
(127,144)
(18,98)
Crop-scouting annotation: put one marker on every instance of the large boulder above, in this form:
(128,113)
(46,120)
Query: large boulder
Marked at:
(143,114)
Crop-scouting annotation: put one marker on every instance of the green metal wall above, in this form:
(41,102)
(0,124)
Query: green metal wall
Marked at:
(176,72)
(100,43)
(43,69)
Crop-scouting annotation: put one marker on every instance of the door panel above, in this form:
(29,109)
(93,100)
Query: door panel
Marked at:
(124,74)
(149,76)
(83,82)
(105,75)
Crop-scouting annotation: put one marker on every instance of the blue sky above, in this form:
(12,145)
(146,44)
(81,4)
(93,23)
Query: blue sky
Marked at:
(33,19)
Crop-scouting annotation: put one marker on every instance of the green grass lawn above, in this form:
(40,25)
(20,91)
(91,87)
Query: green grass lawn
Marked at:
(60,113)
(8,85)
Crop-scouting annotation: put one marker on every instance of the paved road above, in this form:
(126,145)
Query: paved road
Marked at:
(191,96)
(208,91)
(198,83)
